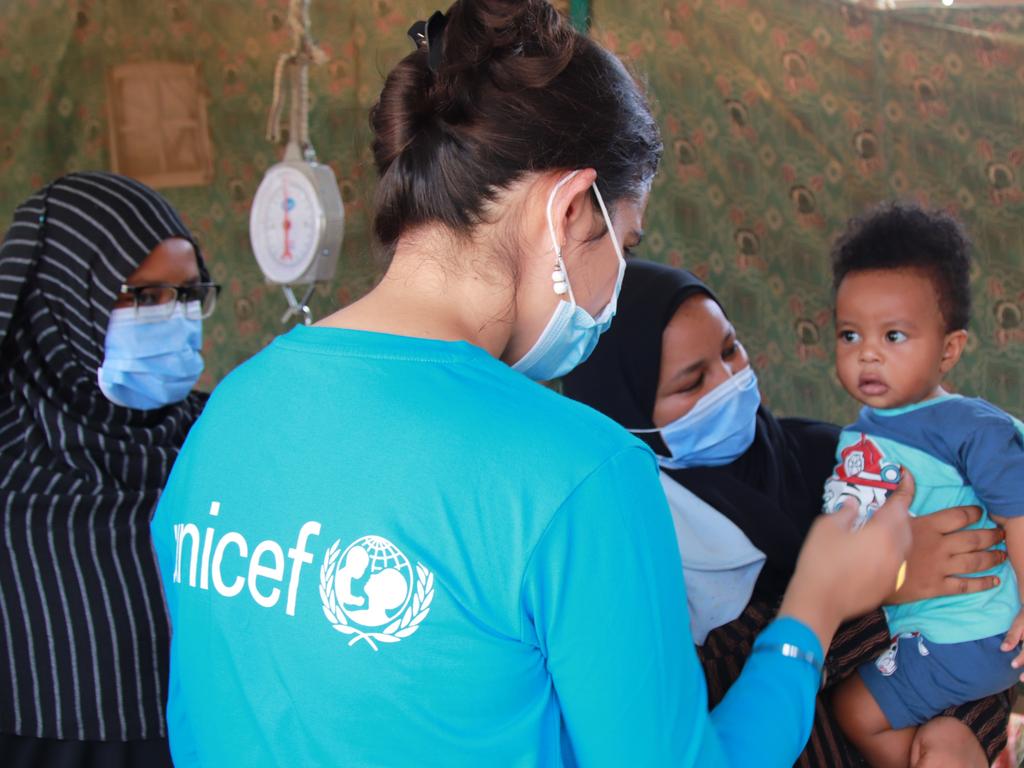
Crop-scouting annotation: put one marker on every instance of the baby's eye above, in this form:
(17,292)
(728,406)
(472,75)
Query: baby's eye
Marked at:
(896,337)
(849,337)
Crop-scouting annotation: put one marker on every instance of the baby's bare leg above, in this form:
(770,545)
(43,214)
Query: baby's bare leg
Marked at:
(945,741)
(867,727)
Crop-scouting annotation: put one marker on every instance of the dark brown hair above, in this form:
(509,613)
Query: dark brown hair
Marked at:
(517,90)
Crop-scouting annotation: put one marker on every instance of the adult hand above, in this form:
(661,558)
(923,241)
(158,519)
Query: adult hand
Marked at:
(941,552)
(945,742)
(842,572)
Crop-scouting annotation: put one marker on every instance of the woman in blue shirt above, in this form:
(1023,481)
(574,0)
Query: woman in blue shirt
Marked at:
(385,544)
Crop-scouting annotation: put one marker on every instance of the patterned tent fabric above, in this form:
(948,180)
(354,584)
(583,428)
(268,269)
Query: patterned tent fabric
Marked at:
(781,118)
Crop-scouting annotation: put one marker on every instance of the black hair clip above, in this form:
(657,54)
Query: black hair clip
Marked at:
(430,34)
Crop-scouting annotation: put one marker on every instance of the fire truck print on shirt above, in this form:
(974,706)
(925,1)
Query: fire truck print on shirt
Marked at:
(864,475)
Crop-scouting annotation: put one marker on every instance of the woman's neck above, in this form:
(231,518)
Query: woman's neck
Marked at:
(435,288)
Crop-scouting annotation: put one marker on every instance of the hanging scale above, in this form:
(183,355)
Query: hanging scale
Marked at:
(297,219)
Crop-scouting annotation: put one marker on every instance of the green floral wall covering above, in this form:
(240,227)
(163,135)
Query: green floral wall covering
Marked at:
(780,119)
(54,55)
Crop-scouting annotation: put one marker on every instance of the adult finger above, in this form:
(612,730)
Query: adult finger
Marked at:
(974,540)
(974,562)
(846,515)
(890,532)
(958,585)
(895,513)
(904,493)
(955,518)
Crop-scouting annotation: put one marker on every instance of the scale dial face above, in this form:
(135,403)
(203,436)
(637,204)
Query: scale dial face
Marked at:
(286,223)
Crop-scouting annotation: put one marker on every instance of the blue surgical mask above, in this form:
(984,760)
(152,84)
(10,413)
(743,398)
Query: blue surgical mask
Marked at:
(571,334)
(150,360)
(718,429)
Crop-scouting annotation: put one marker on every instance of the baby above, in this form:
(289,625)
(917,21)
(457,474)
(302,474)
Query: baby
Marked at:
(902,302)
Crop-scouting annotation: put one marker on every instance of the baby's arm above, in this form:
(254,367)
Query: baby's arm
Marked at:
(1014,527)
(989,443)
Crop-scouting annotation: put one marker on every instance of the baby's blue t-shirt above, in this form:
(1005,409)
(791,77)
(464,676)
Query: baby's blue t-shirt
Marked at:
(385,551)
(961,451)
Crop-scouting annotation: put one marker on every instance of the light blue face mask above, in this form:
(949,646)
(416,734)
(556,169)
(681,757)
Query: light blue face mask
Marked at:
(571,334)
(149,363)
(718,429)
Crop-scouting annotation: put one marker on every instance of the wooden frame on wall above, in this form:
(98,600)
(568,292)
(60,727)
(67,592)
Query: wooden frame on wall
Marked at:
(158,125)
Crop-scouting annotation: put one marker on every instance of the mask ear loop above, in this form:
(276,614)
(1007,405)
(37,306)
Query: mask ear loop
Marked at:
(560,275)
(613,306)
(608,222)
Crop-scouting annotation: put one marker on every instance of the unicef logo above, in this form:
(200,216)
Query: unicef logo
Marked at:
(371,592)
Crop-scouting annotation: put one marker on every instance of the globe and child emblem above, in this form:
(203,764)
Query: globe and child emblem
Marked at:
(371,591)
(378,569)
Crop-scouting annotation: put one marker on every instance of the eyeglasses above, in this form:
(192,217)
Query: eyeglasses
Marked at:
(198,299)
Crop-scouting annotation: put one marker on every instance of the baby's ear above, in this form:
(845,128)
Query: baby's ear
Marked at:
(952,348)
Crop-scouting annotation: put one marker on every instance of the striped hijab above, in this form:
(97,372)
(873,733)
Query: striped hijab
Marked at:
(81,611)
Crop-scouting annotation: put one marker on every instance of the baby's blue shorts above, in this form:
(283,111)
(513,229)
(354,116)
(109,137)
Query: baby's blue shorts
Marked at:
(917,679)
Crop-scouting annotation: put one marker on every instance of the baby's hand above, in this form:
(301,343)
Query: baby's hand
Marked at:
(1013,640)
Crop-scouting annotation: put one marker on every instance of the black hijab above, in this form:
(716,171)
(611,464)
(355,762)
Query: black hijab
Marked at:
(773,491)
(80,476)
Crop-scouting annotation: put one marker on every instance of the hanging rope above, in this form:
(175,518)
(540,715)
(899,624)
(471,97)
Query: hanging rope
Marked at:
(295,63)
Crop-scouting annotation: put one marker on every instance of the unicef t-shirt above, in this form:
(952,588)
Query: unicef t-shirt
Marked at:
(386,551)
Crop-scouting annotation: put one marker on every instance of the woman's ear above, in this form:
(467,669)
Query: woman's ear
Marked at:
(570,208)
(952,348)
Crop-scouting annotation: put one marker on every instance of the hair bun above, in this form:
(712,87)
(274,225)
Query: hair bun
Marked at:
(509,44)
(506,88)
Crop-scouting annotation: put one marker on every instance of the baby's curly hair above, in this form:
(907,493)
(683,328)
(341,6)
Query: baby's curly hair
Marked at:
(906,236)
